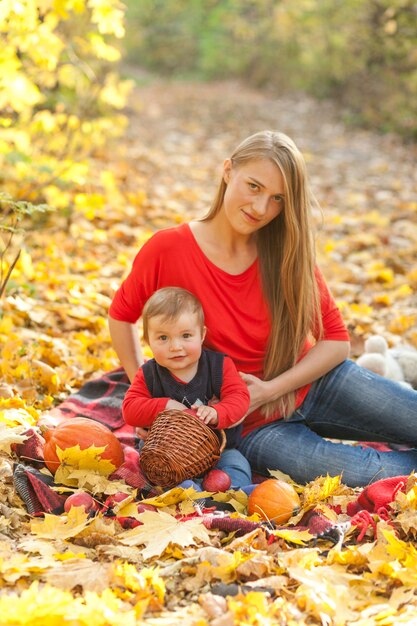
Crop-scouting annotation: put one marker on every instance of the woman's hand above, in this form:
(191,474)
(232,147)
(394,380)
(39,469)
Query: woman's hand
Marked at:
(258,390)
(323,357)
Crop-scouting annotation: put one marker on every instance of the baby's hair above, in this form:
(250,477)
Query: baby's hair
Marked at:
(170,303)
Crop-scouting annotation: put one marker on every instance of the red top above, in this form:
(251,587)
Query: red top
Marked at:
(236,313)
(140,408)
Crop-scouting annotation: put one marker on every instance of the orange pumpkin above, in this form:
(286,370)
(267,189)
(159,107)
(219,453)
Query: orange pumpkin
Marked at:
(84,432)
(274,500)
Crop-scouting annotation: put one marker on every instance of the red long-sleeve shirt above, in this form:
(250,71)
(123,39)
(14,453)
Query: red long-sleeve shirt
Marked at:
(237,316)
(140,408)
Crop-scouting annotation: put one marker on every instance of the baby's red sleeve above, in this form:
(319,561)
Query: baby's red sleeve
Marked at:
(234,396)
(139,408)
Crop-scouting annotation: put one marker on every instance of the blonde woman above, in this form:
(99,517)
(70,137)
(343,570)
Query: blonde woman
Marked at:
(251,263)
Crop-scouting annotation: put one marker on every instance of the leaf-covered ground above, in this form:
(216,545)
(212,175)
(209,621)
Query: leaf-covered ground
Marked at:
(53,337)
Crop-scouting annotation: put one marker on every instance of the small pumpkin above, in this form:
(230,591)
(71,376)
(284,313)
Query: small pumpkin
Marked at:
(274,500)
(84,432)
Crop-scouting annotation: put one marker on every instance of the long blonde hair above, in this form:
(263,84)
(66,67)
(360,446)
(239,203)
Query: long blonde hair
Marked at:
(286,256)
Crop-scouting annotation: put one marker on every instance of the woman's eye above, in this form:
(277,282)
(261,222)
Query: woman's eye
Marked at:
(253,186)
(279,199)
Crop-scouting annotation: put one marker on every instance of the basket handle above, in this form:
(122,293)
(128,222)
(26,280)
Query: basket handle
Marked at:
(222,436)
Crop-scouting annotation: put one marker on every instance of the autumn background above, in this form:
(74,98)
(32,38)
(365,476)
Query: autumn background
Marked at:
(114,121)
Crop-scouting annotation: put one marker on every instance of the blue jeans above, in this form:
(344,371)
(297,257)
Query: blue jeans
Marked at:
(237,466)
(348,403)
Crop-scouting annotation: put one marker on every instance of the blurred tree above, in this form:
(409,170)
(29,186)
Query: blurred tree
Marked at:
(11,215)
(362,52)
(58,94)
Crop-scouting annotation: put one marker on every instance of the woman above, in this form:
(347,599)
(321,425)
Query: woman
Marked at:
(251,263)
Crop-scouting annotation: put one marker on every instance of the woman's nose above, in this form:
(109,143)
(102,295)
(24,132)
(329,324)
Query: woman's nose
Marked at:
(261,205)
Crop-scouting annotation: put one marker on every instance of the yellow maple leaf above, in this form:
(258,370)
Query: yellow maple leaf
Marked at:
(405,552)
(159,529)
(61,527)
(299,537)
(175,496)
(237,499)
(88,480)
(320,489)
(351,555)
(86,460)
(252,609)
(146,585)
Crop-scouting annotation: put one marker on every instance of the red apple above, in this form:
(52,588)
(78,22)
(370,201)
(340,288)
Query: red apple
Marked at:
(81,498)
(114,499)
(216,480)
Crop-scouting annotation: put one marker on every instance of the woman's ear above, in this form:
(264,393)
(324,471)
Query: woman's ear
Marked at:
(227,170)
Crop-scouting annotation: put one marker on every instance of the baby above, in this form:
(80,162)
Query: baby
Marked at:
(184,375)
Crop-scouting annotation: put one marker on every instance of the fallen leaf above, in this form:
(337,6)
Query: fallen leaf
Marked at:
(89,460)
(160,529)
(61,527)
(9,435)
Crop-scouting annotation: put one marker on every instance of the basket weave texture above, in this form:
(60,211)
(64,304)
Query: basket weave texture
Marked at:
(179,446)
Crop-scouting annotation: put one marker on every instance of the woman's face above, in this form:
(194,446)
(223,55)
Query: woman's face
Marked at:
(254,195)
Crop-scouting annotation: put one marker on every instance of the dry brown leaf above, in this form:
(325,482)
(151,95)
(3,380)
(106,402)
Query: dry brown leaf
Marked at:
(214,606)
(89,575)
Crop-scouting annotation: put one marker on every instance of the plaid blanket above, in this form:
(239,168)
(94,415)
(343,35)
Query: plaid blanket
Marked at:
(101,400)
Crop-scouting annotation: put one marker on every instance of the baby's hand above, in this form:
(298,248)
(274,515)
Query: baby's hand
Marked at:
(141,433)
(207,414)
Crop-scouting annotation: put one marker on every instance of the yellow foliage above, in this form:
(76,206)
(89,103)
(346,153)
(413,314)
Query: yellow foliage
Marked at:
(61,527)
(146,586)
(253,609)
(38,59)
(50,606)
(88,460)
(320,489)
(402,323)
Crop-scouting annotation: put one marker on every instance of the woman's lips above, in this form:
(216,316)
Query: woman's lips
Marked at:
(251,218)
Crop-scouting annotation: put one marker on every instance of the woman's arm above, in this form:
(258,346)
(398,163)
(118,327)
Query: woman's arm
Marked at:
(125,340)
(322,358)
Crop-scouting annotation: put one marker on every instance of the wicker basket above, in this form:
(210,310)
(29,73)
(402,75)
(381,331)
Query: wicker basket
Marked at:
(179,446)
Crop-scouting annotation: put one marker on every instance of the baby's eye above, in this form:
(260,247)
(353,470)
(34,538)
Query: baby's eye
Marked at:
(187,335)
(163,337)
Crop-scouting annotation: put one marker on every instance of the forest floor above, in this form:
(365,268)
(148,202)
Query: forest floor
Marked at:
(53,337)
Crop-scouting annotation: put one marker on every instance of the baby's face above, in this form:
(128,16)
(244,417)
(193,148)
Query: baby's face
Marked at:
(176,344)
